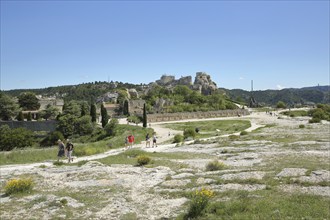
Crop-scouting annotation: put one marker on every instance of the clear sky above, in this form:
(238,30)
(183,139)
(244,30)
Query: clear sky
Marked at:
(277,44)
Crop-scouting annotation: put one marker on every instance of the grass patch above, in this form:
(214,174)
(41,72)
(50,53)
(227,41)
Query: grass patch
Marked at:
(209,128)
(295,113)
(270,205)
(58,163)
(310,162)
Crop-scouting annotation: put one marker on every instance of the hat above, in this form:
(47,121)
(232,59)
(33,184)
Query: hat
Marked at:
(59,140)
(67,140)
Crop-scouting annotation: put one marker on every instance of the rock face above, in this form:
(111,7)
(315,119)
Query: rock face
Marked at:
(170,81)
(132,93)
(166,80)
(161,103)
(107,97)
(204,84)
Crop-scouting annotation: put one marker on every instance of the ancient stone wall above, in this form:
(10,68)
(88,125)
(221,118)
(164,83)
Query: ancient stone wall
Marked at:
(195,115)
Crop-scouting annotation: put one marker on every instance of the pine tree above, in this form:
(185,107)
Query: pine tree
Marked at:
(144,116)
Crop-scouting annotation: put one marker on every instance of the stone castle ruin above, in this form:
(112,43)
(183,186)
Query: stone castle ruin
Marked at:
(202,83)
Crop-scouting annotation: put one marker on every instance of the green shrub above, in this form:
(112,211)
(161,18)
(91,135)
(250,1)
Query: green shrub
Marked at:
(178,138)
(314,120)
(189,132)
(215,165)
(301,126)
(243,133)
(233,137)
(198,202)
(15,138)
(18,186)
(143,160)
(51,139)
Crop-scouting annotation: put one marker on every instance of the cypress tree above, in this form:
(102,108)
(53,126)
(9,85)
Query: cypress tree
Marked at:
(93,112)
(29,116)
(20,116)
(126,110)
(83,111)
(104,115)
(144,116)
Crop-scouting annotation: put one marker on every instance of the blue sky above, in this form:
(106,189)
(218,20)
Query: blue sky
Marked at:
(277,44)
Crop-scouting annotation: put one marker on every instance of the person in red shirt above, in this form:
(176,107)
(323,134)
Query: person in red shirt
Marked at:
(130,141)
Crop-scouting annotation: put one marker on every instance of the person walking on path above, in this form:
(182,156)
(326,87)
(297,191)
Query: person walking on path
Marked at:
(154,140)
(61,152)
(147,140)
(126,142)
(69,148)
(130,141)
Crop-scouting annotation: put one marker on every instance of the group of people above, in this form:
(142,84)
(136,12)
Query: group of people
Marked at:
(65,150)
(129,141)
(154,140)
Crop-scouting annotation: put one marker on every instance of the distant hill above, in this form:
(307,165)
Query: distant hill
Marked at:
(291,96)
(90,91)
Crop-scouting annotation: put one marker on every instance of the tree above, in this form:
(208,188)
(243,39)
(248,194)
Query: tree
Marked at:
(93,112)
(8,107)
(66,124)
(29,116)
(14,138)
(126,108)
(84,108)
(50,112)
(280,104)
(84,125)
(144,116)
(28,101)
(51,139)
(72,108)
(104,116)
(20,116)
(110,128)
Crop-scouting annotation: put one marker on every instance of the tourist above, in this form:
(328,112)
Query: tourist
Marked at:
(60,149)
(154,140)
(69,149)
(126,142)
(147,140)
(130,141)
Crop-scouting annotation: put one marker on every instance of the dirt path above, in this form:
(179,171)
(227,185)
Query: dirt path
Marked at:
(162,135)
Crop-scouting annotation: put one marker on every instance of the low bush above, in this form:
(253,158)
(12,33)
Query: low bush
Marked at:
(198,202)
(301,126)
(178,138)
(314,120)
(243,133)
(18,186)
(189,132)
(143,160)
(233,137)
(215,165)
